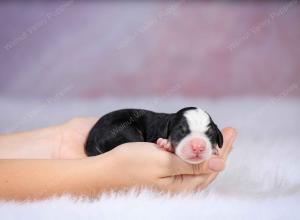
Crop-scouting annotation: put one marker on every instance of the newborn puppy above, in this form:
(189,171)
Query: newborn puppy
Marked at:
(190,133)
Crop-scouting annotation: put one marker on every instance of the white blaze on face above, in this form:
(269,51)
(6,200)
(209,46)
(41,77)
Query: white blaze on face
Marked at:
(198,121)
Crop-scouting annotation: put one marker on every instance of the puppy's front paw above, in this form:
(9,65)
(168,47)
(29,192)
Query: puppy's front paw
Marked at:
(164,144)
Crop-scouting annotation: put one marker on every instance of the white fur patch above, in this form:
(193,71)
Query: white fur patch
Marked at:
(197,119)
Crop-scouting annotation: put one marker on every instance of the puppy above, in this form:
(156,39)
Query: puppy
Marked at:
(190,133)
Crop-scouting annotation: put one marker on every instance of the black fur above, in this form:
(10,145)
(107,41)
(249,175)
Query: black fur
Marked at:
(138,125)
(214,134)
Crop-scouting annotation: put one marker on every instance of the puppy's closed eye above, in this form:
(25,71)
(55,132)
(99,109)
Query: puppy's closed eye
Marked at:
(183,128)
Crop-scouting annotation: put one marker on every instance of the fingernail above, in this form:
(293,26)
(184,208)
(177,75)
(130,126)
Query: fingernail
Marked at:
(216,164)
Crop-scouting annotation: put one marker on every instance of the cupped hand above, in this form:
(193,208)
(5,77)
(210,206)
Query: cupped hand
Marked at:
(143,164)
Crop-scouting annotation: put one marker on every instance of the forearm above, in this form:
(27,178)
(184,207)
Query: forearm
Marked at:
(37,144)
(38,179)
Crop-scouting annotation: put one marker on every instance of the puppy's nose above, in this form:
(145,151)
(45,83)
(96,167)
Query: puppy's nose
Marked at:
(198,145)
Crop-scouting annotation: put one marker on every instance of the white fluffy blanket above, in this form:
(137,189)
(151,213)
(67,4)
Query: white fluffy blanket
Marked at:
(261,181)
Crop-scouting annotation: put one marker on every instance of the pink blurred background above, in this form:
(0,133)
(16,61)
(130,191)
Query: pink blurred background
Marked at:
(64,59)
(131,48)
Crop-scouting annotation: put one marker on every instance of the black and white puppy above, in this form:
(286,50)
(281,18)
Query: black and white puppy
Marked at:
(190,133)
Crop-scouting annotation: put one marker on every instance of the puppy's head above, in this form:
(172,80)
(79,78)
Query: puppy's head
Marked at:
(194,135)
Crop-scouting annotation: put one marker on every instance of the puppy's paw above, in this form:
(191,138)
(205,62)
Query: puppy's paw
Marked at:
(164,144)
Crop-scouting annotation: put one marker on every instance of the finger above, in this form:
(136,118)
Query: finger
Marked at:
(183,182)
(216,164)
(176,166)
(209,179)
(229,137)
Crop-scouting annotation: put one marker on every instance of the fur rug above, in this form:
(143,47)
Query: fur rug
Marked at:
(261,180)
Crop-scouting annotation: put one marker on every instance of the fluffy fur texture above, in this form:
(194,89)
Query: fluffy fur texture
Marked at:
(261,180)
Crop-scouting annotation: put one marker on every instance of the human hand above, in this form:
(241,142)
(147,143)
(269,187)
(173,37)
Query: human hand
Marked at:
(146,164)
(73,135)
(143,164)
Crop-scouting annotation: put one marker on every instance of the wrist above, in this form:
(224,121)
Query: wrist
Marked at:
(102,172)
(113,171)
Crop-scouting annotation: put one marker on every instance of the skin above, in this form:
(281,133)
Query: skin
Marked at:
(51,161)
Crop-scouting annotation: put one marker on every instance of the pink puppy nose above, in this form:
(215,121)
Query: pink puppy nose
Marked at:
(198,145)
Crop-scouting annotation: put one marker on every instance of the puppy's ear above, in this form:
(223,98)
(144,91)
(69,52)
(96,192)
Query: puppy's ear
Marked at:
(218,133)
(219,137)
(185,109)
